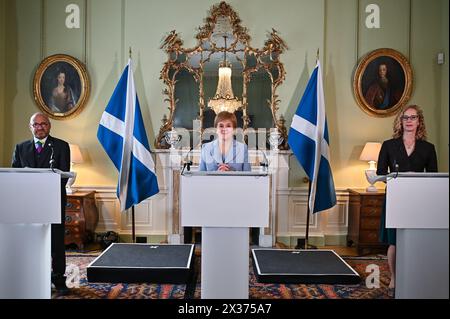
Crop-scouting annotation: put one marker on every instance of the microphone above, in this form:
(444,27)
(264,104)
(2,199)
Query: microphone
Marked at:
(396,168)
(265,163)
(187,164)
(52,160)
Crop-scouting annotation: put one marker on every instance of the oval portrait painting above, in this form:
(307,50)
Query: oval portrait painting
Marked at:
(383,82)
(61,86)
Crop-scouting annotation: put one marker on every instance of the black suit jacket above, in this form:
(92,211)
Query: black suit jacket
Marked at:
(393,152)
(25,155)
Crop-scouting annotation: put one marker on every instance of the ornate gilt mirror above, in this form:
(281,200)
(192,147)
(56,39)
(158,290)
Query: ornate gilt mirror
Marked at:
(222,72)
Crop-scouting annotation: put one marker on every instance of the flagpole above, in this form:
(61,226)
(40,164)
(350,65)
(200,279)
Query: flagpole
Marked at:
(308,211)
(307,215)
(134,141)
(133,221)
(302,133)
(307,246)
(133,232)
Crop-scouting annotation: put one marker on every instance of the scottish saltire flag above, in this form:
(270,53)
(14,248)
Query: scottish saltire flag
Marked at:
(308,139)
(122,134)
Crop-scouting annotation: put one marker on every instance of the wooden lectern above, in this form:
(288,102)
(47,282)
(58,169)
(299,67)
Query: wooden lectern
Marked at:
(417,205)
(225,205)
(31,201)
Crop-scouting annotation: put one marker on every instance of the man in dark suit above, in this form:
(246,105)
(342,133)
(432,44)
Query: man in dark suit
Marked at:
(45,151)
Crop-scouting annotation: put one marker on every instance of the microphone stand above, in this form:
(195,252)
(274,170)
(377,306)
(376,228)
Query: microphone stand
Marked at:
(396,169)
(265,164)
(187,164)
(52,160)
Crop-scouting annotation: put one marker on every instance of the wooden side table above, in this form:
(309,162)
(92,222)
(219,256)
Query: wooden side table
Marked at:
(364,215)
(81,218)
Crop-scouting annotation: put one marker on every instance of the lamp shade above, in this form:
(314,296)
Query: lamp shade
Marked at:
(75,154)
(370,151)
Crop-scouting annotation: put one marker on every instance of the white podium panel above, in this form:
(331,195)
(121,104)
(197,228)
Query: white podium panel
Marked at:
(25,264)
(417,205)
(225,263)
(31,201)
(422,264)
(30,197)
(225,205)
(417,200)
(224,200)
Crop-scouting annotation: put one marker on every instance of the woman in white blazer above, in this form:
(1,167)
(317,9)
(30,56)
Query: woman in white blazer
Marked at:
(224,153)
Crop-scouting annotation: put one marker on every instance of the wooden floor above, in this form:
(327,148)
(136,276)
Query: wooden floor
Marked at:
(342,250)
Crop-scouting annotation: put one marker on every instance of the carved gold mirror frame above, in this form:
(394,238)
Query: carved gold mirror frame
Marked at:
(179,60)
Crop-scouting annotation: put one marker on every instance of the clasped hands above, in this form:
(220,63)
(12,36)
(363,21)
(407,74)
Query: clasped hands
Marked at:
(223,167)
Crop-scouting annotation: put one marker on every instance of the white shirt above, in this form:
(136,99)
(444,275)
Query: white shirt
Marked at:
(42,141)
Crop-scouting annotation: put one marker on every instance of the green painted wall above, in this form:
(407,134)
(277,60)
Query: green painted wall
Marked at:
(350,127)
(2,76)
(416,28)
(23,50)
(444,132)
(425,45)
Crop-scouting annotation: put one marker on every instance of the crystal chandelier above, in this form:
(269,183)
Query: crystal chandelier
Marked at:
(224,99)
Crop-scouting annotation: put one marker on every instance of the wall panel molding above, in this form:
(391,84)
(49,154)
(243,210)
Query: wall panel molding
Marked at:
(152,214)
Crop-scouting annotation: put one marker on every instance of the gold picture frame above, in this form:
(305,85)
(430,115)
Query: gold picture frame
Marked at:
(61,86)
(383,82)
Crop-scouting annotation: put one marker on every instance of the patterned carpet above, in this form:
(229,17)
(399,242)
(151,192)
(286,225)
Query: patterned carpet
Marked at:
(257,290)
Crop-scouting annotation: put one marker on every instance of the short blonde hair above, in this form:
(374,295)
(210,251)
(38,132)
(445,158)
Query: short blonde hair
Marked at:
(421,133)
(224,116)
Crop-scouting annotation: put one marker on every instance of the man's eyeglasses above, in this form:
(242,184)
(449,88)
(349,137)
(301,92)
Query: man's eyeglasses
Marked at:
(411,117)
(36,125)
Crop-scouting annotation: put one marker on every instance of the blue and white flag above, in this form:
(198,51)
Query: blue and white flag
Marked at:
(122,134)
(308,139)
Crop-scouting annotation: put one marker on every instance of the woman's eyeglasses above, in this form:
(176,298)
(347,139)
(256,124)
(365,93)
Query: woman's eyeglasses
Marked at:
(411,117)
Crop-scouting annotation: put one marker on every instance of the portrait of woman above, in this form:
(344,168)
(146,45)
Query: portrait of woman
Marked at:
(62,97)
(382,82)
(61,86)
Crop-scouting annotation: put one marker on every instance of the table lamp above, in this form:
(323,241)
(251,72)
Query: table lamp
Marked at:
(370,154)
(75,158)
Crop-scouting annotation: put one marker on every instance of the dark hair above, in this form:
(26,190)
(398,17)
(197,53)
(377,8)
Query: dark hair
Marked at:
(61,69)
(223,116)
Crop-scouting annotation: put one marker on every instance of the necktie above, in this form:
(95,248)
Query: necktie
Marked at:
(39,147)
